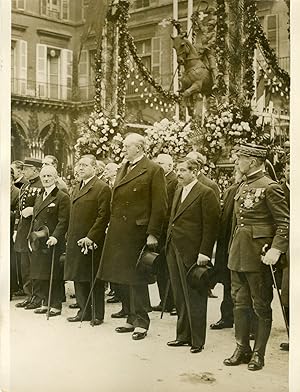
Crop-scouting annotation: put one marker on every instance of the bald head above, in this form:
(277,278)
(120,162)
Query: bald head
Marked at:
(165,161)
(134,146)
(197,156)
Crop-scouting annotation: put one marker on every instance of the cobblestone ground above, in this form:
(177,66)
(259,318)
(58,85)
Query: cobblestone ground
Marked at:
(56,356)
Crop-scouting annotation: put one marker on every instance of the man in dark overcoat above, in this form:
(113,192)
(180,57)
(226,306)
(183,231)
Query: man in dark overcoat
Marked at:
(261,220)
(166,162)
(190,239)
(138,208)
(28,194)
(89,218)
(51,209)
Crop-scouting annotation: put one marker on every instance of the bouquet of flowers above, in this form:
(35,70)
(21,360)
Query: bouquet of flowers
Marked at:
(96,135)
(169,137)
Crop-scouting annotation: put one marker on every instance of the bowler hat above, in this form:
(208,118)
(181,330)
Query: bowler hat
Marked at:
(35,162)
(37,239)
(147,263)
(197,277)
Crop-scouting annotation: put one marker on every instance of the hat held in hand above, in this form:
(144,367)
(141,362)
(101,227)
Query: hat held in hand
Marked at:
(38,239)
(197,276)
(147,263)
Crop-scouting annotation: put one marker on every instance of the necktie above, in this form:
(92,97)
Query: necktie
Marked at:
(45,195)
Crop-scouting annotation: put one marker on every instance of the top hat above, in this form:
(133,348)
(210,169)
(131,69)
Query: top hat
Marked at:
(37,239)
(252,150)
(147,263)
(33,162)
(197,277)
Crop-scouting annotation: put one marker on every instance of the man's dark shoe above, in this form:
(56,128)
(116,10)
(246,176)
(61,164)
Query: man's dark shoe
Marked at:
(77,318)
(173,312)
(53,313)
(284,346)
(256,362)
(124,329)
(113,300)
(72,296)
(120,314)
(32,305)
(157,308)
(211,294)
(23,304)
(195,349)
(40,311)
(96,322)
(239,356)
(178,343)
(251,336)
(74,306)
(139,335)
(221,324)
(111,293)
(19,293)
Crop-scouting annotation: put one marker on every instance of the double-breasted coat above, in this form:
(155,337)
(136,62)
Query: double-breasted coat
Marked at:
(261,216)
(138,208)
(54,213)
(286,271)
(28,194)
(89,217)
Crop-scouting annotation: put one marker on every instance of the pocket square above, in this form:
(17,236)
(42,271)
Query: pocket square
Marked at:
(51,205)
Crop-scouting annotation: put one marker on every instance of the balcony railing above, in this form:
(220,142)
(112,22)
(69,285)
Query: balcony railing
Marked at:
(284,63)
(32,88)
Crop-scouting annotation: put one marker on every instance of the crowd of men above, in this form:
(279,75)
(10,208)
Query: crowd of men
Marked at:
(147,220)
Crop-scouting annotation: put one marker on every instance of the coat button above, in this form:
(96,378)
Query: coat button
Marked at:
(242,224)
(242,217)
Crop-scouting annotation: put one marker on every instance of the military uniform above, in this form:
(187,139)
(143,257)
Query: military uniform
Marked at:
(28,194)
(261,217)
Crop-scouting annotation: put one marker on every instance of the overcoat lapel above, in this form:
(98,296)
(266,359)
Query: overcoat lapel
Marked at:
(84,190)
(194,193)
(137,170)
(42,204)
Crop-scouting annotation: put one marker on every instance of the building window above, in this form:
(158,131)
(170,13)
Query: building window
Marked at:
(141,4)
(54,67)
(56,9)
(19,67)
(270,25)
(18,4)
(86,74)
(149,50)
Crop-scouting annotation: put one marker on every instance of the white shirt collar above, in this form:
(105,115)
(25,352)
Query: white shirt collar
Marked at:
(186,189)
(136,160)
(87,180)
(50,189)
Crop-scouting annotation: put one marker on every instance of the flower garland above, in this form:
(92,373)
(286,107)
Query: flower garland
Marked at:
(221,34)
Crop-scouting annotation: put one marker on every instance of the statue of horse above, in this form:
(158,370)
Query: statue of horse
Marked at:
(197,77)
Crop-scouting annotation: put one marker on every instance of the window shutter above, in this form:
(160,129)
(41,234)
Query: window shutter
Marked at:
(41,70)
(65,9)
(14,3)
(83,74)
(43,7)
(22,67)
(66,73)
(156,57)
(272,31)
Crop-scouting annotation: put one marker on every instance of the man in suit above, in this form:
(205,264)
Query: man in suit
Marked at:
(88,222)
(51,209)
(166,162)
(51,160)
(18,167)
(261,219)
(28,194)
(190,239)
(15,284)
(286,271)
(201,176)
(138,208)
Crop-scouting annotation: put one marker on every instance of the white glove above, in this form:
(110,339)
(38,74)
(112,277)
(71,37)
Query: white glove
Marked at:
(271,257)
(28,211)
(51,241)
(202,259)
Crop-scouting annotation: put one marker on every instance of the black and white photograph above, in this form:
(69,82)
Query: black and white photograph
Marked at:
(149,156)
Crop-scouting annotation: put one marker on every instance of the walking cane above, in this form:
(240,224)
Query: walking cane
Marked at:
(91,293)
(51,279)
(165,298)
(280,300)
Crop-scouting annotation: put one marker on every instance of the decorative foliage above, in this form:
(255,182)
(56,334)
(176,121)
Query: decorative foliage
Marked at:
(221,34)
(96,136)
(169,137)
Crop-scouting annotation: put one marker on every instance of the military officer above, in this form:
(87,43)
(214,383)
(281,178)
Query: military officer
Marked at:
(28,194)
(261,221)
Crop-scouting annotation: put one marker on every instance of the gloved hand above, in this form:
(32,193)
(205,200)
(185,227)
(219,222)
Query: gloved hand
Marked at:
(51,241)
(271,257)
